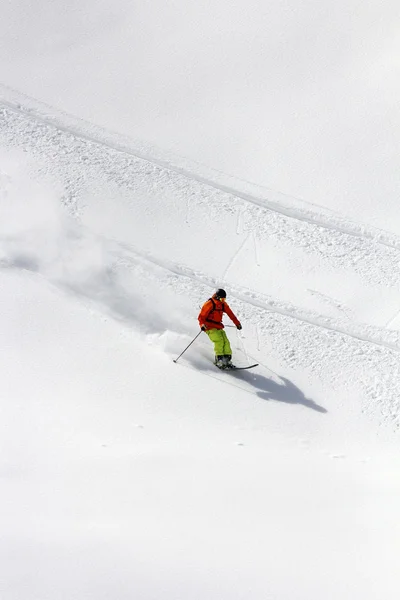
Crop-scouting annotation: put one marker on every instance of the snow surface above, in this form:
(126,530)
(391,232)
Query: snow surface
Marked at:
(302,97)
(125,475)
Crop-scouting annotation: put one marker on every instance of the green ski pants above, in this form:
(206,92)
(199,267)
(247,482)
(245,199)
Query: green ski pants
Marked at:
(220,340)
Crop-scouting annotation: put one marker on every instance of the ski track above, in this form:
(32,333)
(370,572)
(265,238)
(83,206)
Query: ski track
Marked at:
(79,160)
(295,343)
(365,333)
(47,116)
(300,339)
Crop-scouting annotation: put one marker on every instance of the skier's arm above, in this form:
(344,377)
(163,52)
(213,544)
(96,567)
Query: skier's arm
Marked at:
(205,311)
(232,316)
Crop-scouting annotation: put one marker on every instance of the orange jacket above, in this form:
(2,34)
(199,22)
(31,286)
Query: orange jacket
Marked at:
(212,312)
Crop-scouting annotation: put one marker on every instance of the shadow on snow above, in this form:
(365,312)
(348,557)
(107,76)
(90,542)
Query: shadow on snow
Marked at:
(266,388)
(280,391)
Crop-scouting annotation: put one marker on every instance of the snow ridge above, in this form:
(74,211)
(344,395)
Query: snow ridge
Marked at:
(257,195)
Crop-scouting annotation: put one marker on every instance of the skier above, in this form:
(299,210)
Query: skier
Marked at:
(210,320)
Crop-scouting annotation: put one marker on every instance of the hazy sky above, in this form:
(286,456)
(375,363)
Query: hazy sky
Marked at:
(300,96)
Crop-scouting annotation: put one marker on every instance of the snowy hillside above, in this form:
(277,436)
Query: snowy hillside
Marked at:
(125,475)
(300,96)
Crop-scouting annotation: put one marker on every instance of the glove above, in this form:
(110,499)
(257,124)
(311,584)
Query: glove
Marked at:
(203,327)
(239,326)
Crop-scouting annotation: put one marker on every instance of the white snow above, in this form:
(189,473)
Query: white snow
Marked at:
(300,97)
(127,476)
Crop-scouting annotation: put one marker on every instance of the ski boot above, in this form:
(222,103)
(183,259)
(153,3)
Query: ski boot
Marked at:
(227,361)
(220,361)
(224,361)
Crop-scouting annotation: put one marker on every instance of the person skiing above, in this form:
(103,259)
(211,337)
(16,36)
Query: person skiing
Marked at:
(210,320)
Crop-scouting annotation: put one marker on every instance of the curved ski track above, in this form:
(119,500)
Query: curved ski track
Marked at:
(49,116)
(78,128)
(263,302)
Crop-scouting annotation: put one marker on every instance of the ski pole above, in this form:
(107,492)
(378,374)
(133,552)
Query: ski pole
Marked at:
(195,338)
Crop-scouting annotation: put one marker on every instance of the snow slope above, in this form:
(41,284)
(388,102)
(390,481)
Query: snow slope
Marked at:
(301,97)
(127,476)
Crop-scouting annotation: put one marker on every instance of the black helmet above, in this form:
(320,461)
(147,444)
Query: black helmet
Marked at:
(220,293)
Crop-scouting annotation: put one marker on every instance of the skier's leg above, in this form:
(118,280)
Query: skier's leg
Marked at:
(226,345)
(227,351)
(218,339)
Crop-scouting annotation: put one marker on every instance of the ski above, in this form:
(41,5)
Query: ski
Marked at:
(233,368)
